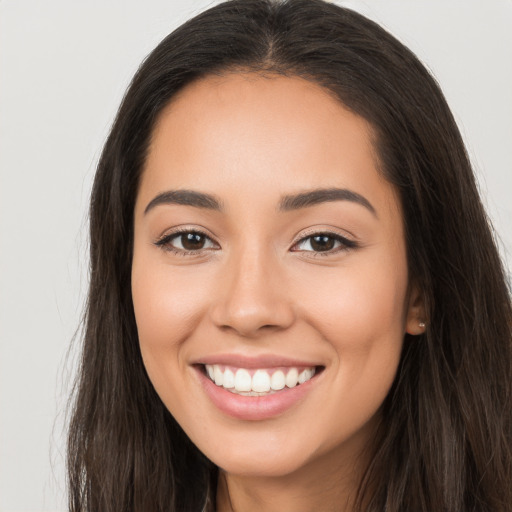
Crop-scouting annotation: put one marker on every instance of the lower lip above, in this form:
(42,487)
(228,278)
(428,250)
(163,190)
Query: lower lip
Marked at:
(255,408)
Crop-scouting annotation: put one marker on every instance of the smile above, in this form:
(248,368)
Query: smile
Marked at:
(255,389)
(258,382)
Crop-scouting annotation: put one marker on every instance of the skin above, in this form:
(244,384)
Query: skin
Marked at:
(254,289)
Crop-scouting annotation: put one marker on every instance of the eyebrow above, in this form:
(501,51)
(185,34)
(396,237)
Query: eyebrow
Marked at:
(186,198)
(287,203)
(324,195)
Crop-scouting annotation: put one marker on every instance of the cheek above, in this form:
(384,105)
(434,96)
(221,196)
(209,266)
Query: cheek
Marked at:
(356,307)
(168,307)
(360,315)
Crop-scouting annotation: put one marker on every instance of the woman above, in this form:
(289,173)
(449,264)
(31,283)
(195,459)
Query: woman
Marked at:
(296,302)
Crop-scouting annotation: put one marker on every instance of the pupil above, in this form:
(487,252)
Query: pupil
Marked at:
(322,243)
(192,241)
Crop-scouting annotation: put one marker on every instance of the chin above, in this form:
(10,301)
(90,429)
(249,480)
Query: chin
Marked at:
(266,454)
(275,465)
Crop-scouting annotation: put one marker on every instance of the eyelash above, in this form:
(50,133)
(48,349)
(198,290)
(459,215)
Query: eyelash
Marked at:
(345,243)
(165,243)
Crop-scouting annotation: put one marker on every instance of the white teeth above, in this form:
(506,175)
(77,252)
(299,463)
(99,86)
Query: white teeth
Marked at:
(218,375)
(243,381)
(306,375)
(278,381)
(292,377)
(261,382)
(229,379)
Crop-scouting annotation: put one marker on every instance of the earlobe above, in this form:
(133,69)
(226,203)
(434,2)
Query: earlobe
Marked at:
(415,323)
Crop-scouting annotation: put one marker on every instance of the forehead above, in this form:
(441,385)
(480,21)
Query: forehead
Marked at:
(249,134)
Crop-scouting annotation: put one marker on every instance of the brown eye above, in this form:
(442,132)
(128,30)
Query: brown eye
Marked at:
(186,242)
(322,243)
(192,241)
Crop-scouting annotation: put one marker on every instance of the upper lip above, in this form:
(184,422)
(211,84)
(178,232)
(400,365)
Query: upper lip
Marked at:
(253,362)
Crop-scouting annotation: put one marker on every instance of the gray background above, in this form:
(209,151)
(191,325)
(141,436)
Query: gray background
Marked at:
(64,66)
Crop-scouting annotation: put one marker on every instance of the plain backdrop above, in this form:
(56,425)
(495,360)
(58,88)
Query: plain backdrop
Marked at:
(64,66)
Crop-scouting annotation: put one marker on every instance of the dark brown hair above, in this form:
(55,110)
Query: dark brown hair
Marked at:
(445,440)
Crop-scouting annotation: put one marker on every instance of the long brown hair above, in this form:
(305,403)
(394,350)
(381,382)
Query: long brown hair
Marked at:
(445,442)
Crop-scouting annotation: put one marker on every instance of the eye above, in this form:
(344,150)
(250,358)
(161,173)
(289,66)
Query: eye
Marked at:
(186,242)
(324,242)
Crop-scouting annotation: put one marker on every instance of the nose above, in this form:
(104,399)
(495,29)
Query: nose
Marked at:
(252,297)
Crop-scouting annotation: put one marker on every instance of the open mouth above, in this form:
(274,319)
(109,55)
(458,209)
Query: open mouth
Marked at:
(259,381)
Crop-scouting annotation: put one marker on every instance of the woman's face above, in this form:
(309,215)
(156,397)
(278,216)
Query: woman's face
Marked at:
(269,253)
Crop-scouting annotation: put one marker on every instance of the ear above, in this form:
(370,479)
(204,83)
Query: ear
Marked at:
(415,320)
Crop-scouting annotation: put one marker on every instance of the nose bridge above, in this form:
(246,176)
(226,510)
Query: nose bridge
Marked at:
(252,294)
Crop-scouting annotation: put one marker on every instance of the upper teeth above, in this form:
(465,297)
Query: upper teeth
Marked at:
(261,381)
